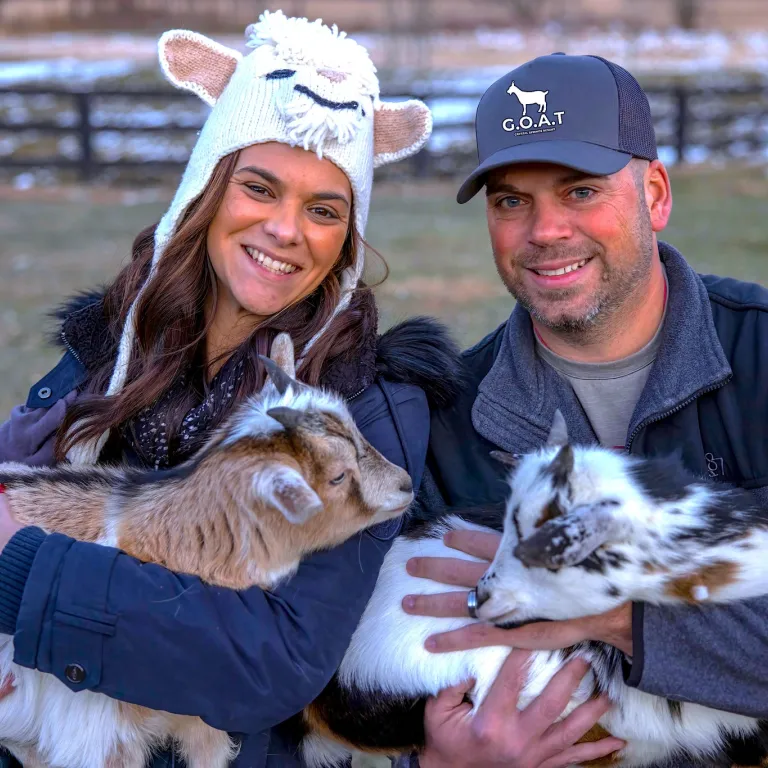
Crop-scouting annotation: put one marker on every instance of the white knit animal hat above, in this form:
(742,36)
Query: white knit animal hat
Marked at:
(304,84)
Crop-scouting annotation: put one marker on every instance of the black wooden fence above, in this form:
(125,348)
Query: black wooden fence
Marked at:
(722,122)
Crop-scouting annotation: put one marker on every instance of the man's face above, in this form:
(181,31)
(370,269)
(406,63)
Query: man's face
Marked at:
(571,248)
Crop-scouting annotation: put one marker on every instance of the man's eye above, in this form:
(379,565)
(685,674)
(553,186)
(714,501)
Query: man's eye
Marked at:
(509,202)
(582,193)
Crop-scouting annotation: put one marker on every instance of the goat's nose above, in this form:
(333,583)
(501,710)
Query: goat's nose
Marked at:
(407,485)
(483,593)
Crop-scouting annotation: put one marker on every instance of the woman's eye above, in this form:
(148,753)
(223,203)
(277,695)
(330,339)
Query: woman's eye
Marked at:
(339,480)
(324,213)
(258,189)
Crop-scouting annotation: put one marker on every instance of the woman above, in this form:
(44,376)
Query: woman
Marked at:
(264,234)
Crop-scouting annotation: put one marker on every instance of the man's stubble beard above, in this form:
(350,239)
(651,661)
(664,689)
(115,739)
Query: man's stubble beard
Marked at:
(617,287)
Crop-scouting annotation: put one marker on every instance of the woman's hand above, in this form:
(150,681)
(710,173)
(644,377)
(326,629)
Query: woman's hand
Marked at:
(613,627)
(499,734)
(8,524)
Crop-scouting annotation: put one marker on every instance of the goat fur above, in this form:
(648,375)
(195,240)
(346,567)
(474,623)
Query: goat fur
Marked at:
(585,530)
(287,474)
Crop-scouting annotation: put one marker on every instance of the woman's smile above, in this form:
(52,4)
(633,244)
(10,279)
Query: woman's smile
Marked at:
(268,263)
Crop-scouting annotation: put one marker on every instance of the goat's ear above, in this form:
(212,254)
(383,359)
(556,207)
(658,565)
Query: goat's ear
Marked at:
(507,459)
(290,418)
(277,375)
(282,353)
(558,432)
(561,467)
(285,489)
(571,538)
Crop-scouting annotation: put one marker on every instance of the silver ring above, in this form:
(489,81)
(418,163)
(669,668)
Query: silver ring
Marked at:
(472,603)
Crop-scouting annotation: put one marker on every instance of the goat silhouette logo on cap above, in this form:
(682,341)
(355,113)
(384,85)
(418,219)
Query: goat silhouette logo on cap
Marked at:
(539,98)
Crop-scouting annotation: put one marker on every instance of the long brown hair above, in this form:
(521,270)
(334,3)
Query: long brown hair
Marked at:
(171,325)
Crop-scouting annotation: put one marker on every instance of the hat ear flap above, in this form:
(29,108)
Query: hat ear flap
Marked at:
(400,129)
(196,63)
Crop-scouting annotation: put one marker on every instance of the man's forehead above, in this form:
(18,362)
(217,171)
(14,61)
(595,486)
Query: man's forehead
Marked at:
(522,173)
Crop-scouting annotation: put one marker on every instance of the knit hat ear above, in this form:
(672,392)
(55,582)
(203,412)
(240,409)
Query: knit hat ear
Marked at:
(196,63)
(400,130)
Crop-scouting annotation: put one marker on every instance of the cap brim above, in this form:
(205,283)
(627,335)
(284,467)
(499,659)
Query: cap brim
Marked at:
(579,155)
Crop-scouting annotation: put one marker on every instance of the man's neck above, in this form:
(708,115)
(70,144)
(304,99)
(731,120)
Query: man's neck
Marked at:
(627,331)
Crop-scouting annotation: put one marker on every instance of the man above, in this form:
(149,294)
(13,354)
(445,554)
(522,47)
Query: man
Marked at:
(638,352)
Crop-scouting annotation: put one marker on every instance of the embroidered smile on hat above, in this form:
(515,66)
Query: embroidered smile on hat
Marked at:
(304,84)
(582,112)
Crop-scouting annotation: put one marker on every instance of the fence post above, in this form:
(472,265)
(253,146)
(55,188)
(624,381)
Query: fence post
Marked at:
(681,139)
(83,100)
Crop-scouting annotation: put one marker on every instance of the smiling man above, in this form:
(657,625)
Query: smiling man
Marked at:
(639,352)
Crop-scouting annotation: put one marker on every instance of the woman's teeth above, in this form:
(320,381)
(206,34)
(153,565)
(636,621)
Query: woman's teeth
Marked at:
(562,270)
(273,265)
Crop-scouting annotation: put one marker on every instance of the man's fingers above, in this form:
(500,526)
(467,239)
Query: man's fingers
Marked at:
(539,715)
(450,699)
(504,693)
(466,638)
(582,753)
(580,724)
(548,635)
(447,604)
(475,543)
(447,570)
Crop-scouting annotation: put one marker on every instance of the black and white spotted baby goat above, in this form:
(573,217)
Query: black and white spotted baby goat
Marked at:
(585,530)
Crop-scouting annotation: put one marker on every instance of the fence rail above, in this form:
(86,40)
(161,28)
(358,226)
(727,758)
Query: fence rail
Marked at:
(686,118)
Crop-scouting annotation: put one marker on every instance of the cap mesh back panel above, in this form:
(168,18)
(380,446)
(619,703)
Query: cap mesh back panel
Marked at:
(636,134)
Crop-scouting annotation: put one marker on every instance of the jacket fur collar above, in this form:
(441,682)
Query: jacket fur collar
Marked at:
(418,351)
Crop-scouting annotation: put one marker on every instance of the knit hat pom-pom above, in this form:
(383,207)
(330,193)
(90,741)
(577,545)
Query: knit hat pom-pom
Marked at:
(334,80)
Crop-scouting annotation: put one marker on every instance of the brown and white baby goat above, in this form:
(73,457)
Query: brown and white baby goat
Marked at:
(585,530)
(288,474)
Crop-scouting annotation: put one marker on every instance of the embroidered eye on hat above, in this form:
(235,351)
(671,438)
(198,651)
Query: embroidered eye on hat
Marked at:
(583,112)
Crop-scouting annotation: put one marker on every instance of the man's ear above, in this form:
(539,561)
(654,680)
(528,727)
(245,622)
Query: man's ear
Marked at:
(285,489)
(658,195)
(196,63)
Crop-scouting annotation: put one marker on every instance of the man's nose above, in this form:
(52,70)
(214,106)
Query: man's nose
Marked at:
(550,224)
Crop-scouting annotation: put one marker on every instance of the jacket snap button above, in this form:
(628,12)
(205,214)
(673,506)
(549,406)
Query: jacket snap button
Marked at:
(44,393)
(74,673)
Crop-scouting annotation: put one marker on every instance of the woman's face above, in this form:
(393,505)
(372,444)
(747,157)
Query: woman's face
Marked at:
(279,229)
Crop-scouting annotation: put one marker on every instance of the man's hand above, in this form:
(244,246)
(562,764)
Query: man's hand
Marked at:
(613,627)
(498,734)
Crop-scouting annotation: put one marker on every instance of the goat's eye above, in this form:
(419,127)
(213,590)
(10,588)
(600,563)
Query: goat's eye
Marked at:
(339,480)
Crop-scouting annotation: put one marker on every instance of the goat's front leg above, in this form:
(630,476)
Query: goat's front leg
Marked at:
(202,746)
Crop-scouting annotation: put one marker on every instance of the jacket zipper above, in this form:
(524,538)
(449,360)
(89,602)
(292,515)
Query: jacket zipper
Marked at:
(357,394)
(70,349)
(678,407)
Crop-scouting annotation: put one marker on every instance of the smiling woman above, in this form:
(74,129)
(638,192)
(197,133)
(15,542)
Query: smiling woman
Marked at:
(264,235)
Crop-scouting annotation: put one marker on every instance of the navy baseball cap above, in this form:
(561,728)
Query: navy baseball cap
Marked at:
(583,112)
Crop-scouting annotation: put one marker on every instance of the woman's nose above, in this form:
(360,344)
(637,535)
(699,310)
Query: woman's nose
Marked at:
(284,226)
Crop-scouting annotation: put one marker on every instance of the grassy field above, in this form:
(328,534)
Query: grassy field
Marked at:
(57,242)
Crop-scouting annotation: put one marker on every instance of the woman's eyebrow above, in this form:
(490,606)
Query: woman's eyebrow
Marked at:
(265,174)
(331,196)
